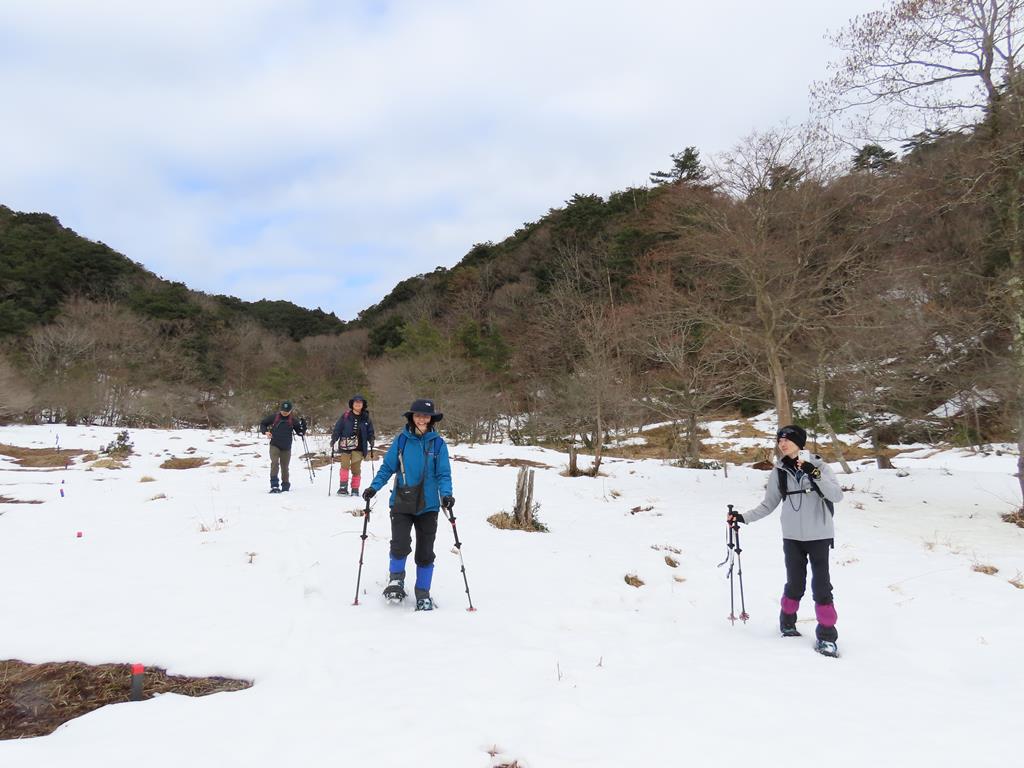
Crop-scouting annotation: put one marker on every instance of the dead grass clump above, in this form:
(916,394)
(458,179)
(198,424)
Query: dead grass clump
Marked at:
(9,500)
(188,463)
(108,464)
(39,457)
(37,698)
(680,579)
(633,580)
(991,570)
(1017,581)
(320,461)
(158,496)
(147,479)
(671,562)
(240,445)
(519,463)
(638,509)
(507,522)
(1015,518)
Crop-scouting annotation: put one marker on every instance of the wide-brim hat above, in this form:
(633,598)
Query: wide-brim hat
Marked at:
(424,407)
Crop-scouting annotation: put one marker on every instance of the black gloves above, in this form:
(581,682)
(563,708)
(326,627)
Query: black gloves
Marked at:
(302,427)
(448,502)
(734,517)
(810,470)
(369,493)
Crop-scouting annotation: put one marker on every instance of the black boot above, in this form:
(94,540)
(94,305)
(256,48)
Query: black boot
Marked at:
(395,590)
(787,625)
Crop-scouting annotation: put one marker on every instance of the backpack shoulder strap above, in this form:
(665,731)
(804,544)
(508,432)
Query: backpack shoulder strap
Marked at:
(781,473)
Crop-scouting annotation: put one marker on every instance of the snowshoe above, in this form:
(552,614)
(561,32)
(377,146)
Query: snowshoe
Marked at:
(355,492)
(424,604)
(790,632)
(341,492)
(827,648)
(275,490)
(395,592)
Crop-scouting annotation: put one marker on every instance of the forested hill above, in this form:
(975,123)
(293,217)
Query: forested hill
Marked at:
(42,264)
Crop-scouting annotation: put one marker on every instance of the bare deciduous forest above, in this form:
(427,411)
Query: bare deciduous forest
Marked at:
(878,283)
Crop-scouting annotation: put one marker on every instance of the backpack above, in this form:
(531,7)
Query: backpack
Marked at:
(782,473)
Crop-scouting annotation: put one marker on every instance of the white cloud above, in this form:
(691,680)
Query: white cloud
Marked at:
(214,142)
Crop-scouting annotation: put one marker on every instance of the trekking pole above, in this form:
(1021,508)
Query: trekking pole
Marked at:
(730,559)
(330,473)
(309,462)
(739,571)
(362,548)
(450,514)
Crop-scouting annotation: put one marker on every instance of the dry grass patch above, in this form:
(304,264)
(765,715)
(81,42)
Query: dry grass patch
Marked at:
(318,461)
(158,496)
(633,580)
(9,500)
(991,570)
(671,562)
(187,463)
(507,522)
(108,464)
(503,462)
(1015,518)
(679,579)
(147,479)
(1017,581)
(39,457)
(37,698)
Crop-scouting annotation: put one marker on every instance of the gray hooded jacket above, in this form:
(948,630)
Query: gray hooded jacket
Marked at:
(805,517)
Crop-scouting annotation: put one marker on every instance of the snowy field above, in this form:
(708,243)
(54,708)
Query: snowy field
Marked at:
(562,665)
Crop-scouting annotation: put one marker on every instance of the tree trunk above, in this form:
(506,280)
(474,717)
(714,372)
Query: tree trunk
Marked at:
(824,425)
(882,462)
(598,441)
(783,407)
(574,469)
(693,447)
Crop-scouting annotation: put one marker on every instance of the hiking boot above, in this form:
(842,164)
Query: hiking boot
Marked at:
(395,590)
(355,492)
(787,625)
(343,489)
(827,648)
(424,604)
(340,492)
(275,490)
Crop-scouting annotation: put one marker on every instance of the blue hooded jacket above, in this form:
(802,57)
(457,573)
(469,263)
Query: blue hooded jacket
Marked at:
(427,453)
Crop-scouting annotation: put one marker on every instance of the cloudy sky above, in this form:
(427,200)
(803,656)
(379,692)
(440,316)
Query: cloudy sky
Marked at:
(320,151)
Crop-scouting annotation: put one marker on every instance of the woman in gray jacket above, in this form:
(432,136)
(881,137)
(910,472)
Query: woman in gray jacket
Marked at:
(807,489)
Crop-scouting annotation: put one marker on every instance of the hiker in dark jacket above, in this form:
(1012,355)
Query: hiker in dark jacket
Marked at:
(353,434)
(807,489)
(423,485)
(279,428)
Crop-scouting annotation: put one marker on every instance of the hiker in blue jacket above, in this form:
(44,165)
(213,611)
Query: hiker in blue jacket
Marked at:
(423,485)
(808,490)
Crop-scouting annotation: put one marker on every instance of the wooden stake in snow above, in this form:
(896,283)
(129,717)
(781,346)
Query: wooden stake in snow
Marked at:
(523,511)
(138,671)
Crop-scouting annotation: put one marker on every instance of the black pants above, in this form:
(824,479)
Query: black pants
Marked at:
(797,554)
(401,536)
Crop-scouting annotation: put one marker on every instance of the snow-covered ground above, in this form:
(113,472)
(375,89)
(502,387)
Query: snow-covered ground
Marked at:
(563,664)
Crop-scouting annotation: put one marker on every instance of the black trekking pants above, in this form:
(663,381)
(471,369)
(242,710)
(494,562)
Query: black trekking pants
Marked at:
(797,554)
(401,536)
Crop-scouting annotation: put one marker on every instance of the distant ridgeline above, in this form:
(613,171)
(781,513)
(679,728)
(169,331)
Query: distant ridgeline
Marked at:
(43,263)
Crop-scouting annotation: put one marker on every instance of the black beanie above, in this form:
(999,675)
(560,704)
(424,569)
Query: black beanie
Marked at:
(794,434)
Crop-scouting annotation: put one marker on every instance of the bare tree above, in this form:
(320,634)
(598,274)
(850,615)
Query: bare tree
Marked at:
(935,62)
